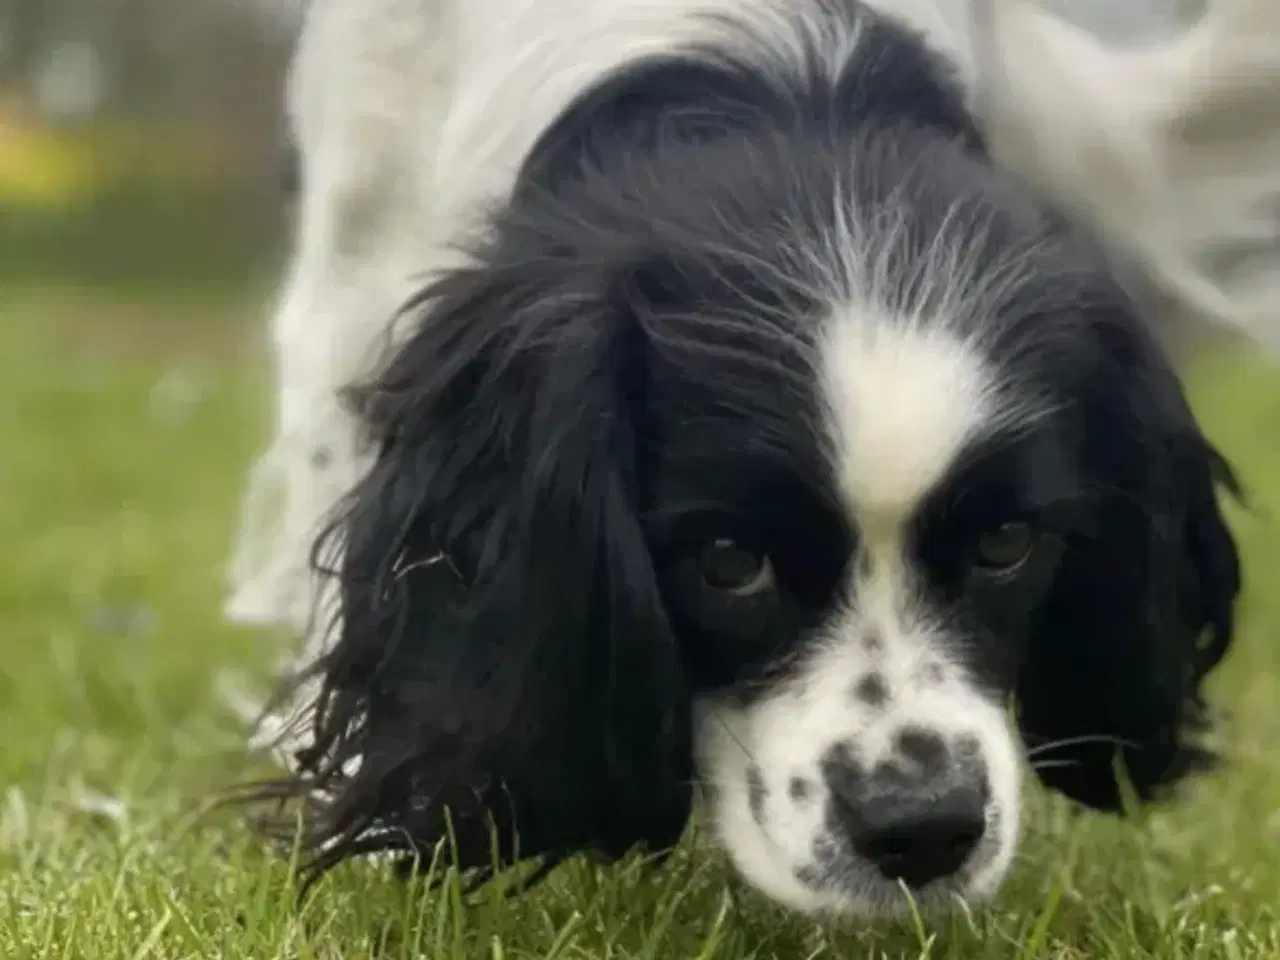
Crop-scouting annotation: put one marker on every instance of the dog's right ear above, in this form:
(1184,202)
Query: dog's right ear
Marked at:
(501,666)
(1111,695)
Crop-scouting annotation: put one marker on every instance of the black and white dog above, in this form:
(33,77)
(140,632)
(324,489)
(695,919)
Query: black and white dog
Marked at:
(764,419)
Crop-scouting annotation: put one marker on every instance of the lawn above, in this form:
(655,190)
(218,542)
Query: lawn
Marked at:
(124,430)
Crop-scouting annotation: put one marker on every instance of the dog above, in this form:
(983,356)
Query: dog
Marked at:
(748,402)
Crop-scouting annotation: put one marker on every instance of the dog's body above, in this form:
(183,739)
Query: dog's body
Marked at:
(766,415)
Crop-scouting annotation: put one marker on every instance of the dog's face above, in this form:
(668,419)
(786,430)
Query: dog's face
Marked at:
(857,557)
(822,473)
(855,625)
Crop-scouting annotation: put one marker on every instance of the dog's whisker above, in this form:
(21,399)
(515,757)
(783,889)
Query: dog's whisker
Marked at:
(1083,740)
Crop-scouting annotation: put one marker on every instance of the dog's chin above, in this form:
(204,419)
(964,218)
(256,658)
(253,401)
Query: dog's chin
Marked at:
(856,897)
(844,887)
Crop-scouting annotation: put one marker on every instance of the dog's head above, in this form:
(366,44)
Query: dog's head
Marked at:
(814,471)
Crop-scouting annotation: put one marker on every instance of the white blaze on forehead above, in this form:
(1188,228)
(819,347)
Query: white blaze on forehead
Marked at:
(904,399)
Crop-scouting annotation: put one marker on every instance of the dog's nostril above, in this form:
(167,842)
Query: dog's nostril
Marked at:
(892,845)
(916,836)
(920,851)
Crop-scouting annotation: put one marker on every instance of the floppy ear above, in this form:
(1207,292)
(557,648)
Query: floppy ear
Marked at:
(1142,606)
(502,668)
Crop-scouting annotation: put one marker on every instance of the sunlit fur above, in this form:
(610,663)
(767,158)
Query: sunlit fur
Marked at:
(750,278)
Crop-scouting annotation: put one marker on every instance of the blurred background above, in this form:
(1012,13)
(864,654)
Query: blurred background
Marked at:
(139,142)
(141,233)
(139,139)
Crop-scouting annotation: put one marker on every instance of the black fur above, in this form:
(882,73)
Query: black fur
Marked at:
(1142,607)
(531,682)
(632,341)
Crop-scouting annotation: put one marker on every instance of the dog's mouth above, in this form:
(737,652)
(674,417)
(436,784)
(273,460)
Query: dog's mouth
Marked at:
(851,884)
(861,891)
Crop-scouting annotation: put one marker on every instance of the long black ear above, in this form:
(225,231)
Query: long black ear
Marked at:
(503,669)
(1142,607)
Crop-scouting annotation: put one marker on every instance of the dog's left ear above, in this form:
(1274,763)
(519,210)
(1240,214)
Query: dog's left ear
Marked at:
(503,679)
(1142,606)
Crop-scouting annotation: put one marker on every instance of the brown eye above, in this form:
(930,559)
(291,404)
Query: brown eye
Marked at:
(1006,548)
(727,566)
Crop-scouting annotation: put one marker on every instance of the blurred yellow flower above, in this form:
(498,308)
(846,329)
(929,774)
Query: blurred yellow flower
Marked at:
(40,170)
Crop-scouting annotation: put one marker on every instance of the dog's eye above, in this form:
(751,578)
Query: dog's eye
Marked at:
(1006,548)
(727,566)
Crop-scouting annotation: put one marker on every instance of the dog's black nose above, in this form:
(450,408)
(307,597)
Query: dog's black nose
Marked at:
(918,837)
(917,831)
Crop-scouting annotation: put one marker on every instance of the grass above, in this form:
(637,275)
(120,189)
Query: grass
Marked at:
(124,430)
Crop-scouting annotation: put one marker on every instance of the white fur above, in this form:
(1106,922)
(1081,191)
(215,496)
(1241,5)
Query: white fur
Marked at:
(904,402)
